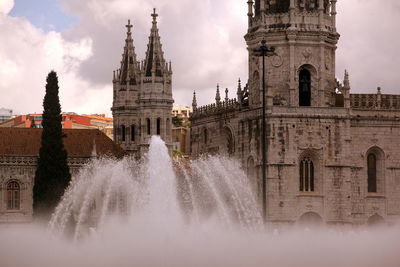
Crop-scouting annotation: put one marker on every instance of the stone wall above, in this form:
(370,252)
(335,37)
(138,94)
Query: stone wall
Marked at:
(336,139)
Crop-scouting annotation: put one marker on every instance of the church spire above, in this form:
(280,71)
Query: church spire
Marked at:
(239,92)
(194,102)
(155,64)
(218,96)
(129,63)
(346,81)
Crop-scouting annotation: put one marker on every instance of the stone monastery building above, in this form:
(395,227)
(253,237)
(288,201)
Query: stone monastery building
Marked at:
(331,155)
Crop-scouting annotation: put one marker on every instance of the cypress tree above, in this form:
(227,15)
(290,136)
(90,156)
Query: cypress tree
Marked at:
(52,174)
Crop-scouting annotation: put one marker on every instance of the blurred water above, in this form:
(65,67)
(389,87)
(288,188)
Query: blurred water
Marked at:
(163,213)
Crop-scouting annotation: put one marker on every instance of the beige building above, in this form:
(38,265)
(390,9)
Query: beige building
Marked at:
(19,151)
(332,156)
(181,133)
(182,111)
(142,101)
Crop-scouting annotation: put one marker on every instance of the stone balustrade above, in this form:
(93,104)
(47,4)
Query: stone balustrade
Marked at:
(375,101)
(216,108)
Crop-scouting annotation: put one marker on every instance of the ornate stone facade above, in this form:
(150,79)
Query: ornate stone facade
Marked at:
(331,155)
(142,102)
(19,150)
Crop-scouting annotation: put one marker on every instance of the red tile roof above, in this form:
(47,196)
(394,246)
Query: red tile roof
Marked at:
(78,142)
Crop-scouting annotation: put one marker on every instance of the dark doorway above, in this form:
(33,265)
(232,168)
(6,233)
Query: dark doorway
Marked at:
(304,88)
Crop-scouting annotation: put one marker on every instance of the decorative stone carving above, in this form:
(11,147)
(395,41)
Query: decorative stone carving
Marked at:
(279,100)
(328,60)
(307,54)
(277,59)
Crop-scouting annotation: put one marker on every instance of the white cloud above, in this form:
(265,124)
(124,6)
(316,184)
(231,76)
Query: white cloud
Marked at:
(29,54)
(6,6)
(369,44)
(204,40)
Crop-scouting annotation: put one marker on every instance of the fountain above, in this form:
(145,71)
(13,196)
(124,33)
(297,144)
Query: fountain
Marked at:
(158,212)
(151,192)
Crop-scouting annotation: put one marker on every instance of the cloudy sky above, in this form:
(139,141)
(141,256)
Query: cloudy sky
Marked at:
(83,40)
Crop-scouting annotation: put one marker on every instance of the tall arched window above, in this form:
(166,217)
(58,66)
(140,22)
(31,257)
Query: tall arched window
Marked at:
(13,195)
(205,136)
(229,141)
(123,133)
(148,127)
(372,182)
(158,126)
(133,133)
(304,88)
(306,175)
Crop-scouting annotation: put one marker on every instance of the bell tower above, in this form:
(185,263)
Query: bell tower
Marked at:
(142,102)
(302,70)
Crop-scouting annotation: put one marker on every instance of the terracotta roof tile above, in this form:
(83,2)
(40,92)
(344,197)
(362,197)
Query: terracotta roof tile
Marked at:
(78,142)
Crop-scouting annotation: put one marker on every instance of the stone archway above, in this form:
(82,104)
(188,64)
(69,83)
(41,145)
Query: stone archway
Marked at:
(376,220)
(310,219)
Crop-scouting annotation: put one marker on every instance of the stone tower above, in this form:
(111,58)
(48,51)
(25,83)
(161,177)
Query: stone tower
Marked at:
(302,71)
(142,102)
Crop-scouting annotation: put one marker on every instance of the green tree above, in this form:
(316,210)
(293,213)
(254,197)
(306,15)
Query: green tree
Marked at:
(177,121)
(52,174)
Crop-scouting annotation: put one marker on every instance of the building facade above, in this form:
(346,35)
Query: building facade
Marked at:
(69,121)
(19,151)
(142,102)
(332,156)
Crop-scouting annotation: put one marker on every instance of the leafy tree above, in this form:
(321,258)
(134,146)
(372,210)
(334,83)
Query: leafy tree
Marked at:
(52,174)
(177,121)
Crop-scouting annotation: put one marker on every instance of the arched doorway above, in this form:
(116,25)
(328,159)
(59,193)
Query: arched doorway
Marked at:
(376,220)
(310,219)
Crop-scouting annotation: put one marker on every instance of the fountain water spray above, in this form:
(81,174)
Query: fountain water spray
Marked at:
(149,191)
(149,213)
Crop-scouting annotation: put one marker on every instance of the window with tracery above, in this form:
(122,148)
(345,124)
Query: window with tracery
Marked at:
(13,196)
(372,181)
(307,175)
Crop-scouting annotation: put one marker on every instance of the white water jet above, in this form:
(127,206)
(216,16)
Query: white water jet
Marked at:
(149,213)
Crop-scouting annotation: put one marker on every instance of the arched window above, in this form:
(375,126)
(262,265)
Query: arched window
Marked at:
(205,136)
(13,196)
(148,127)
(229,141)
(158,126)
(133,133)
(372,181)
(306,175)
(123,133)
(304,88)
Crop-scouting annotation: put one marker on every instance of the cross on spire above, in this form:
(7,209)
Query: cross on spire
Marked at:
(154,15)
(129,26)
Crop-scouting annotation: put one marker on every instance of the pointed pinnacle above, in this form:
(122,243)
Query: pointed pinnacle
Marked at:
(154,15)
(129,26)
